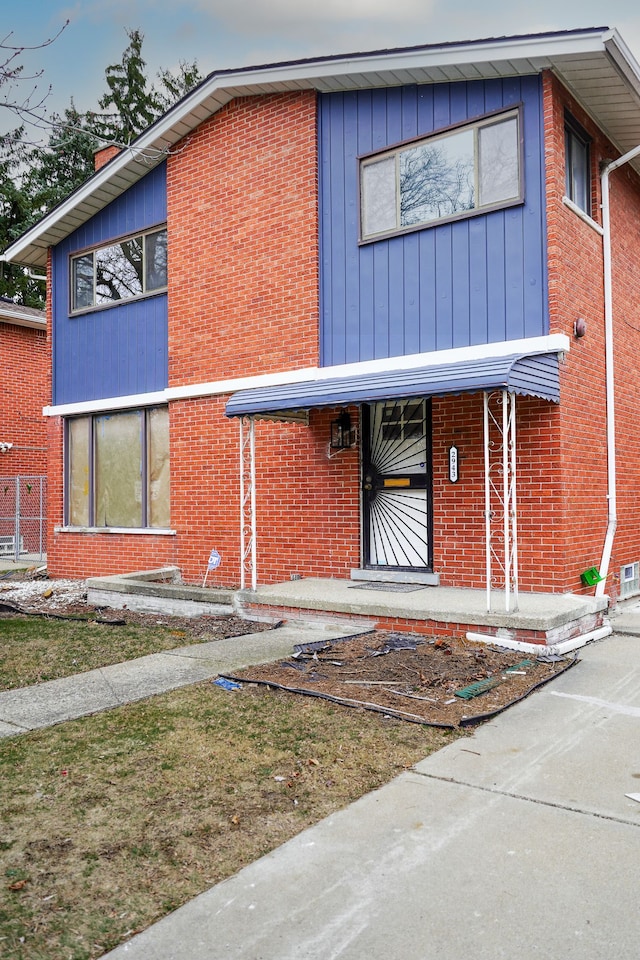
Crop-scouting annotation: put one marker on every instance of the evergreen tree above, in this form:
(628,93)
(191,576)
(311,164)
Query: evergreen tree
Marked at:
(33,179)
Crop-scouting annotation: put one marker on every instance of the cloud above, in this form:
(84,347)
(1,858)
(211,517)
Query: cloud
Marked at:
(295,18)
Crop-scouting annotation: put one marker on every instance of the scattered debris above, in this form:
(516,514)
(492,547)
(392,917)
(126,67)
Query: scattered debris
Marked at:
(439,680)
(478,688)
(226,684)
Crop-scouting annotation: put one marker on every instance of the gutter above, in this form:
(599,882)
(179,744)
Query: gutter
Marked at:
(609,368)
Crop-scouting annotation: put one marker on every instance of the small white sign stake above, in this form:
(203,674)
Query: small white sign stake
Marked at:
(213,563)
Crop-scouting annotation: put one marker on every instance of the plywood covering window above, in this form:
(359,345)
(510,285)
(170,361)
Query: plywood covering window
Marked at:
(118,470)
(464,170)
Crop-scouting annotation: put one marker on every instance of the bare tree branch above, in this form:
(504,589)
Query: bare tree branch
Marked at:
(28,107)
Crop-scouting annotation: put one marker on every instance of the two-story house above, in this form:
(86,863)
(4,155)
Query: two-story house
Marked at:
(363,317)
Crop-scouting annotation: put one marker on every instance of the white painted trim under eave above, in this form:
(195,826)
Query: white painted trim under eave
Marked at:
(531,346)
(544,50)
(20,320)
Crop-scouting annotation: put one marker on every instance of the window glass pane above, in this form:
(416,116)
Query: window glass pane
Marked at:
(78,471)
(119,271)
(158,461)
(156,260)
(118,469)
(82,281)
(498,173)
(580,173)
(437,179)
(379,196)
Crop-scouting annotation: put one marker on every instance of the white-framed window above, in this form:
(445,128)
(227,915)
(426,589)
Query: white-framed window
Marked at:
(117,469)
(135,266)
(577,164)
(467,169)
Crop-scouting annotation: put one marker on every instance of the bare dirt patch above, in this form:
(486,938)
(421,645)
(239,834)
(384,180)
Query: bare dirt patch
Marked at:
(441,682)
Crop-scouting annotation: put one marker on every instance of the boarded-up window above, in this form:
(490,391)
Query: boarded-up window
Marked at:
(118,467)
(118,470)
(159,492)
(78,445)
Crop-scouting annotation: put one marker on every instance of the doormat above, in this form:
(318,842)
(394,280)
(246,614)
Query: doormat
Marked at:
(389,587)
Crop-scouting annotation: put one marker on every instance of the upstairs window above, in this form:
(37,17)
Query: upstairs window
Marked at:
(577,165)
(132,267)
(466,170)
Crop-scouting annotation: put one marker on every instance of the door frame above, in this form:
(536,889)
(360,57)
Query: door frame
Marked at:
(365,435)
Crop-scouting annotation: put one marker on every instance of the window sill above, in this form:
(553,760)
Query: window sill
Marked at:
(583,216)
(153,531)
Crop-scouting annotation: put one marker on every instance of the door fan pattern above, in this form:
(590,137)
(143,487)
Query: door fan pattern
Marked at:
(396,483)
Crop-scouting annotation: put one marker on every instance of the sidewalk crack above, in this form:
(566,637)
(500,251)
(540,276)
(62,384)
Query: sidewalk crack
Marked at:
(520,796)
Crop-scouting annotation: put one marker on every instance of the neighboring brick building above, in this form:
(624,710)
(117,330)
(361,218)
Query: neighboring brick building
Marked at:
(24,390)
(414,238)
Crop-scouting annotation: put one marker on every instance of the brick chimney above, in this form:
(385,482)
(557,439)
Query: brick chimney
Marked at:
(103,154)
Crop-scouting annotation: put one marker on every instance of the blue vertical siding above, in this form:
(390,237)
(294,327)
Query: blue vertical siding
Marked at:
(122,350)
(478,280)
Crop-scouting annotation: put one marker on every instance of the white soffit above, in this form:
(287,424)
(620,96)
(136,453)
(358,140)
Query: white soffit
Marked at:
(595,64)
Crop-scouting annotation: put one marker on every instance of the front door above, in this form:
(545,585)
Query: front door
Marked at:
(397,485)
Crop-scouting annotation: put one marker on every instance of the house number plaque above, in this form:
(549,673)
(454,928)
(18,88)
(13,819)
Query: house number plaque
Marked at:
(453,464)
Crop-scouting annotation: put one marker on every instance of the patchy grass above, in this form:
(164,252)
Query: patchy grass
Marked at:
(34,649)
(110,822)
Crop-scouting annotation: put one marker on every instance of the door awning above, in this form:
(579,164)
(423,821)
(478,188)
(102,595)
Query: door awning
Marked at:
(535,375)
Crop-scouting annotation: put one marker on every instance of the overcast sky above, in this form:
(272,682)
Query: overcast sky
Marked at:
(236,33)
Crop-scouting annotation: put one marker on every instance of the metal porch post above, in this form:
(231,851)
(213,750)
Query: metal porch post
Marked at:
(500,497)
(247,502)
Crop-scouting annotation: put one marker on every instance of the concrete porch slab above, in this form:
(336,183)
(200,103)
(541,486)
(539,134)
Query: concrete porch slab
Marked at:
(541,618)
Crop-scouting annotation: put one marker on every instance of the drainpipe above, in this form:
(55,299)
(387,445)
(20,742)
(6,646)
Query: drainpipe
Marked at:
(610,382)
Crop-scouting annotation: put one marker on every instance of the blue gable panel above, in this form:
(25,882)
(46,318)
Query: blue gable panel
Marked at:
(123,349)
(478,280)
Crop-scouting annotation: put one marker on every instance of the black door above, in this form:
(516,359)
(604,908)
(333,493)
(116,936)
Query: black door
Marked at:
(396,482)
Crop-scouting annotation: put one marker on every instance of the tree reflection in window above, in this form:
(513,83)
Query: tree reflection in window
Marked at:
(442,177)
(120,271)
(437,179)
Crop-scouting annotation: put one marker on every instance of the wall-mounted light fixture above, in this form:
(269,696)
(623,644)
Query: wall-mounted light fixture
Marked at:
(341,432)
(5,447)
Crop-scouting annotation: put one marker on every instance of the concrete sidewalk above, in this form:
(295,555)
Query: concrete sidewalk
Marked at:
(45,704)
(517,842)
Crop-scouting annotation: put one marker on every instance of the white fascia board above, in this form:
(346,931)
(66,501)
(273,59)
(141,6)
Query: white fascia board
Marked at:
(222,87)
(20,320)
(130,402)
(621,55)
(554,343)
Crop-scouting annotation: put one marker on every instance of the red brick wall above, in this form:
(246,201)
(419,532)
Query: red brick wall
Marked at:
(576,290)
(243,300)
(243,229)
(23,393)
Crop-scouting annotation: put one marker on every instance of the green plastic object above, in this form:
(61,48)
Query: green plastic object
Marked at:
(519,666)
(475,689)
(590,577)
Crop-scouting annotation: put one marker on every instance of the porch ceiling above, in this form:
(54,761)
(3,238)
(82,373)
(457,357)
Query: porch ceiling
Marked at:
(536,376)
(595,64)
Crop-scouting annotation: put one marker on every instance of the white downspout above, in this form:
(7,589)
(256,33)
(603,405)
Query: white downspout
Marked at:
(610,380)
